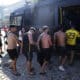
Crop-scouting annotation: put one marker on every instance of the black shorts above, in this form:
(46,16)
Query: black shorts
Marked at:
(70,47)
(28,52)
(44,54)
(20,41)
(61,51)
(0,43)
(13,53)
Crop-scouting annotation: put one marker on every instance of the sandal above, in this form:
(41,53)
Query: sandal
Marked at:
(31,73)
(16,73)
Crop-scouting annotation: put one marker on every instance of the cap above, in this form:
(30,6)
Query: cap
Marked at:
(12,26)
(32,28)
(45,27)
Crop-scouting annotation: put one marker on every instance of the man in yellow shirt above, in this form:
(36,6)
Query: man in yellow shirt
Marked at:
(71,37)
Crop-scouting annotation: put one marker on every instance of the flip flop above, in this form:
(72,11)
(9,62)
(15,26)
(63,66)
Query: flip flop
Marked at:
(16,73)
(31,73)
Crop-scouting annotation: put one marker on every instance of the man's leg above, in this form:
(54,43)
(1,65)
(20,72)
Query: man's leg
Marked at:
(43,68)
(60,57)
(13,65)
(71,57)
(29,66)
(29,62)
(62,62)
(63,58)
(0,52)
(46,59)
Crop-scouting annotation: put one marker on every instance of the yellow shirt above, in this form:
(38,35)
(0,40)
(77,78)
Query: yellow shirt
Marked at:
(79,35)
(71,36)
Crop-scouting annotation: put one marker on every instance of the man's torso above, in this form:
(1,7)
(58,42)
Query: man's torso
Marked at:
(11,41)
(71,36)
(60,38)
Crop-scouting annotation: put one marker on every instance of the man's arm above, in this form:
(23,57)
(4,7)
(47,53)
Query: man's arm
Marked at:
(17,41)
(54,40)
(38,41)
(49,40)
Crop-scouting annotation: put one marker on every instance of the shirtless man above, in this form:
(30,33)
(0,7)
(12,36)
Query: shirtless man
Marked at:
(12,44)
(44,48)
(59,38)
(29,50)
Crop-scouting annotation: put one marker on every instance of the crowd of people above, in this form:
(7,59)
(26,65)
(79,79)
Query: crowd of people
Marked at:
(64,42)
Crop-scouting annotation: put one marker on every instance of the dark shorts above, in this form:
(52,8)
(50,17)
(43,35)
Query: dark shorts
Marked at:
(13,53)
(44,54)
(20,41)
(28,52)
(0,43)
(78,48)
(70,47)
(61,51)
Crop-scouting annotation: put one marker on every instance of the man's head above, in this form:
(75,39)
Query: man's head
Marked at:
(45,29)
(61,27)
(40,30)
(23,29)
(32,29)
(72,26)
(13,28)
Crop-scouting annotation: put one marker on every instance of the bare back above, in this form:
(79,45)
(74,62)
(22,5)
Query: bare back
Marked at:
(60,38)
(12,43)
(46,41)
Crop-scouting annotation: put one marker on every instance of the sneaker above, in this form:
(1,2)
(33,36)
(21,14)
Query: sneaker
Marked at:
(61,68)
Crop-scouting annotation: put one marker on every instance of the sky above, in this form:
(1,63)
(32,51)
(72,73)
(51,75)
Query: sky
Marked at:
(8,2)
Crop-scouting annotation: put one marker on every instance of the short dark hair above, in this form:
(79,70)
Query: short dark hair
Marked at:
(12,26)
(60,27)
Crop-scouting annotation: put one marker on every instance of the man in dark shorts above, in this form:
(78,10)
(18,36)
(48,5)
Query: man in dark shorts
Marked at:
(71,39)
(28,47)
(59,38)
(12,51)
(45,43)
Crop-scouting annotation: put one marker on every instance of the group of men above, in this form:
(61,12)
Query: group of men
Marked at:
(44,43)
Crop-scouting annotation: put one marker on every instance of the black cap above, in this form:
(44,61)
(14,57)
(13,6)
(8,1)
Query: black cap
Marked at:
(12,26)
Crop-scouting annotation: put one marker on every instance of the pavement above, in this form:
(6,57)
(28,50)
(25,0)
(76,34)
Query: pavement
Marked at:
(71,73)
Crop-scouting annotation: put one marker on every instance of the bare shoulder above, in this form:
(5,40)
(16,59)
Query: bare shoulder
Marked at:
(55,33)
(29,33)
